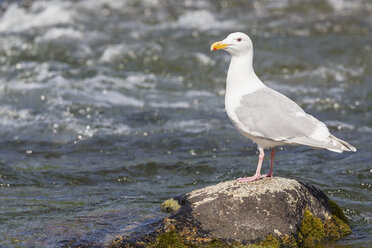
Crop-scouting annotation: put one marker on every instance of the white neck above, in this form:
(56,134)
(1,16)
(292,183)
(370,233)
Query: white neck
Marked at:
(241,78)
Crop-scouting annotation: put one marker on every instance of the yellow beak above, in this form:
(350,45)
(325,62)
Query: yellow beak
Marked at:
(218,45)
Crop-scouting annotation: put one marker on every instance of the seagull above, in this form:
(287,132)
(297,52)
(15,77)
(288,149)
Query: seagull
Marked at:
(264,115)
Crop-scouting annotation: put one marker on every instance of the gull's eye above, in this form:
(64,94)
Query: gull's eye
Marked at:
(239,39)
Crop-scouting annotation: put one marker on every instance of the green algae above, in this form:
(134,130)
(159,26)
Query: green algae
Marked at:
(213,244)
(271,242)
(173,240)
(288,241)
(168,240)
(336,228)
(170,206)
(312,230)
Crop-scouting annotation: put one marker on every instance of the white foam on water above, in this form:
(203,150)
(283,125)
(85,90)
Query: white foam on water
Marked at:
(92,91)
(190,126)
(196,3)
(203,20)
(283,88)
(41,14)
(340,73)
(59,82)
(61,33)
(204,59)
(98,4)
(116,98)
(365,129)
(113,52)
(12,117)
(66,129)
(196,93)
(133,81)
(79,129)
(339,125)
(121,129)
(169,104)
(151,3)
(34,76)
(273,5)
(349,5)
(10,42)
(140,79)
(42,70)
(45,72)
(331,97)
(97,98)
(102,81)
(22,86)
(314,100)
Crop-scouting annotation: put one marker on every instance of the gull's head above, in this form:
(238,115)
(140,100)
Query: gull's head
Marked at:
(236,44)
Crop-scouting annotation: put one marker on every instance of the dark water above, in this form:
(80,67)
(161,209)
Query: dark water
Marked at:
(109,107)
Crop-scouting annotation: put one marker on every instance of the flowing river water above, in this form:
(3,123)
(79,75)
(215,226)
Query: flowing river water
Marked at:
(109,107)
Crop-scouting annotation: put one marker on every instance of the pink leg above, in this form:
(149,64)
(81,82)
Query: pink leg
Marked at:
(258,170)
(270,174)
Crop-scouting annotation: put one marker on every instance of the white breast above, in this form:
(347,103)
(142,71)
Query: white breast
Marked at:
(234,93)
(236,87)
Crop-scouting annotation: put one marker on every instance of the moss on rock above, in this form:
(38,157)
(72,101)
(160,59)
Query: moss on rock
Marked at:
(336,228)
(213,244)
(170,206)
(311,231)
(314,231)
(288,241)
(271,242)
(168,240)
(174,240)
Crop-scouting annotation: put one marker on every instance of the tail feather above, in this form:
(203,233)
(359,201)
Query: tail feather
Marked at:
(332,143)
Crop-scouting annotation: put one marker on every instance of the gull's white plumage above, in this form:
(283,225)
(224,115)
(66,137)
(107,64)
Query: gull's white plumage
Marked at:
(264,115)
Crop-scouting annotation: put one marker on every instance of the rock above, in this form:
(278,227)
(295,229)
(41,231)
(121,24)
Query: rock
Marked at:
(253,212)
(272,212)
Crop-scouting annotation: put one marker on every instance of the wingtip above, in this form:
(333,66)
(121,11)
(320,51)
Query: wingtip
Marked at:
(349,147)
(344,145)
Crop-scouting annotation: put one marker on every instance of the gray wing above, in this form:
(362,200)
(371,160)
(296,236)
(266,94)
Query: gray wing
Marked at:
(267,113)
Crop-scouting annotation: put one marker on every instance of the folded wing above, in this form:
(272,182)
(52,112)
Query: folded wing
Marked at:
(268,114)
